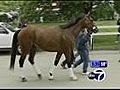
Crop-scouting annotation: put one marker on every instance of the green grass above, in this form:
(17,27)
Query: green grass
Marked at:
(106,42)
(108,22)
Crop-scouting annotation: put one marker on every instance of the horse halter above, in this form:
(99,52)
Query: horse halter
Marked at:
(93,30)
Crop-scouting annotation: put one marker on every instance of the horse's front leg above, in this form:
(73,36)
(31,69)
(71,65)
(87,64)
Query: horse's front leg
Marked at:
(58,56)
(71,72)
(69,58)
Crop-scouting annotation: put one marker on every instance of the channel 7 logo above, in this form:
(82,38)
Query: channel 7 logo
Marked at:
(98,75)
(98,64)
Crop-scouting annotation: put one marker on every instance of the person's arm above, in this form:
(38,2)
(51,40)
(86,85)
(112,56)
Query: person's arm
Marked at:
(83,39)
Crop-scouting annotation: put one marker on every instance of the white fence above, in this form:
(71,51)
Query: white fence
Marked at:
(104,33)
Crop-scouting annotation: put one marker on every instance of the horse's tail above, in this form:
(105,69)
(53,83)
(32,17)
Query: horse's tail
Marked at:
(14,49)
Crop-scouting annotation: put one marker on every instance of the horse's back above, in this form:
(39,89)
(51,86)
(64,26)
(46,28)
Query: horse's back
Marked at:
(46,38)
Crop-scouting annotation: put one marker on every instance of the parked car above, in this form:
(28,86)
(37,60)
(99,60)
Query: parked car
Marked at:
(6,36)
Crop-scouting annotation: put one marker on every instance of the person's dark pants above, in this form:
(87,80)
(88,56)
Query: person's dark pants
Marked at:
(84,54)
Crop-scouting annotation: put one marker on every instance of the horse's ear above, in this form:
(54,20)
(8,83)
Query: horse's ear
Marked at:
(88,14)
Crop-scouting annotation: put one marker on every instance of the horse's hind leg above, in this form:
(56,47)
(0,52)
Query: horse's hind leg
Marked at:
(31,60)
(21,62)
(58,56)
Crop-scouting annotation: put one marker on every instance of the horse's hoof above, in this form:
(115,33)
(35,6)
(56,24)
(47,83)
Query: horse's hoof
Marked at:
(63,66)
(39,76)
(24,79)
(73,78)
(51,78)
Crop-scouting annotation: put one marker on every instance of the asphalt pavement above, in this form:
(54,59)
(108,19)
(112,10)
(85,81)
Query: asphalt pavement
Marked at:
(44,60)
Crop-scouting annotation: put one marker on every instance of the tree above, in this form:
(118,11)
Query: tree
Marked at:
(117,6)
(103,11)
(9,5)
(32,11)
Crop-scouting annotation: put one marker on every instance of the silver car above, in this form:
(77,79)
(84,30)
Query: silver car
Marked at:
(6,36)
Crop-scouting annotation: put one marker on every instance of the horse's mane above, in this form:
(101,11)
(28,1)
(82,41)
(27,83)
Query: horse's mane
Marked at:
(71,23)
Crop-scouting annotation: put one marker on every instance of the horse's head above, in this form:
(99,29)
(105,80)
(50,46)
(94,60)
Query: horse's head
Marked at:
(88,22)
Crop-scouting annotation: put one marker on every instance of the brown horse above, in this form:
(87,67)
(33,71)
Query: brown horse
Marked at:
(57,39)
